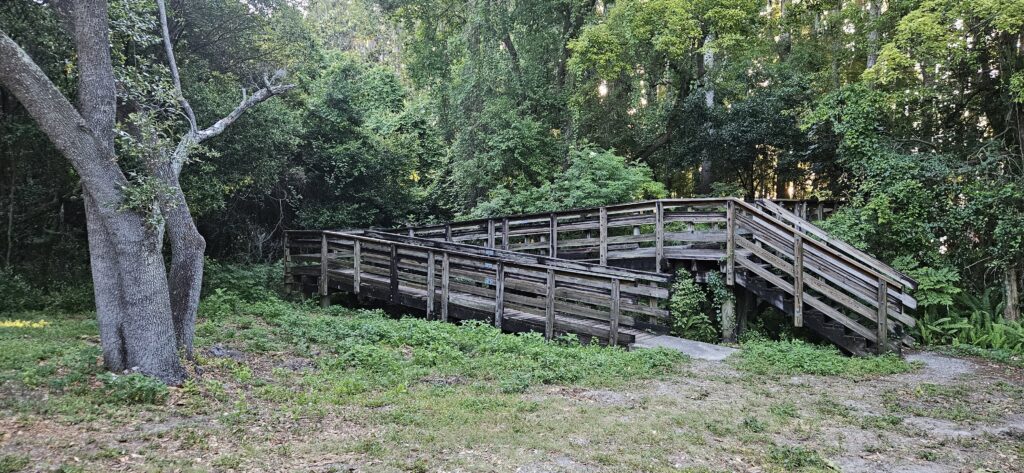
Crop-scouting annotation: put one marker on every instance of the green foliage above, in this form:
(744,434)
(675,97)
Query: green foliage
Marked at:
(796,458)
(13,463)
(16,294)
(367,351)
(798,357)
(688,305)
(250,282)
(595,177)
(133,388)
(979,325)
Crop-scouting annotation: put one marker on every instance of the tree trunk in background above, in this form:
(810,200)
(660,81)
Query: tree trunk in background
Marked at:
(874,11)
(1012,293)
(707,64)
(10,220)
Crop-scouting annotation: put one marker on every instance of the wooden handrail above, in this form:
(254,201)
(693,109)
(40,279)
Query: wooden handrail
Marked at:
(810,228)
(517,257)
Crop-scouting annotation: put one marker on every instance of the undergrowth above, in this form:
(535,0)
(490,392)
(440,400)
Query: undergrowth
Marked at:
(789,357)
(352,353)
(362,350)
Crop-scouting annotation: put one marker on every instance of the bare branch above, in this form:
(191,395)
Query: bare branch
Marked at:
(269,90)
(193,127)
(248,101)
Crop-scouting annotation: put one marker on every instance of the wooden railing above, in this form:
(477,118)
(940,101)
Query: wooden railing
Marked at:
(469,282)
(764,239)
(851,291)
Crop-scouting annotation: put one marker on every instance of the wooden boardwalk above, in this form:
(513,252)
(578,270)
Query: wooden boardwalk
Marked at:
(605,272)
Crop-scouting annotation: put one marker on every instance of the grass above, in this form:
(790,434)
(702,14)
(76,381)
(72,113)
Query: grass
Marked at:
(12,463)
(282,385)
(794,357)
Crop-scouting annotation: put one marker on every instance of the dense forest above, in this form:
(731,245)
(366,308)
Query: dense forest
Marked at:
(908,112)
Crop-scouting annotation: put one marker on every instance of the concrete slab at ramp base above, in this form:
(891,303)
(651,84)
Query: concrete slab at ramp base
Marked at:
(691,348)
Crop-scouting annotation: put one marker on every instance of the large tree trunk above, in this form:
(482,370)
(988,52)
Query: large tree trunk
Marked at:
(186,276)
(1012,293)
(106,288)
(133,306)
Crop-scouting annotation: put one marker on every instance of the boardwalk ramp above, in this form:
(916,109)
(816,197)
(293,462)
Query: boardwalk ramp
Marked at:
(605,272)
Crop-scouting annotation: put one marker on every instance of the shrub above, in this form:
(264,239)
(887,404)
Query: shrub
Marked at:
(687,304)
(250,282)
(220,305)
(798,357)
(133,388)
(16,294)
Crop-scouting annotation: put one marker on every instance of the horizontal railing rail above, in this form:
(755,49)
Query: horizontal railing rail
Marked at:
(573,296)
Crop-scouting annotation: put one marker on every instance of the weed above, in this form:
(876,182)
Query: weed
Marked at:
(12,463)
(880,422)
(754,424)
(795,458)
(133,388)
(784,410)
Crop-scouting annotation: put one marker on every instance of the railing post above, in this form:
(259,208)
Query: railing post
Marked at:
(549,319)
(798,280)
(659,235)
(882,336)
(325,298)
(394,274)
(445,262)
(412,231)
(447,232)
(356,265)
(504,234)
(730,243)
(613,323)
(603,236)
(499,294)
(430,285)
(490,233)
(553,236)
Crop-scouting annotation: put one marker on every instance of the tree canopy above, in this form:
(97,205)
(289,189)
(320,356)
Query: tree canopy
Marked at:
(906,111)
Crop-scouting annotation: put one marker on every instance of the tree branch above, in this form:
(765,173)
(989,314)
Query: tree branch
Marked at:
(175,77)
(55,115)
(195,135)
(270,89)
(97,92)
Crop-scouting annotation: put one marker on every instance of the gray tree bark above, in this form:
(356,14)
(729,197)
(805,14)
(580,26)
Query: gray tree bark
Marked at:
(708,62)
(874,11)
(146,314)
(1012,292)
